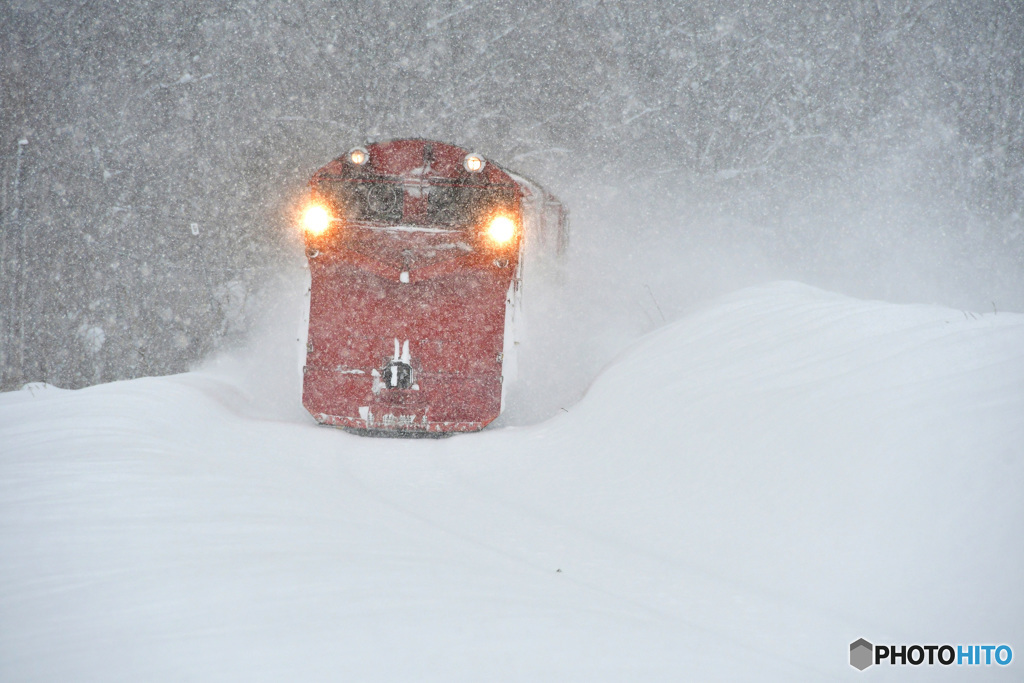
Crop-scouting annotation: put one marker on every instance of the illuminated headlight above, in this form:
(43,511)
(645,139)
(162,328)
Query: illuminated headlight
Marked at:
(315,219)
(474,163)
(358,156)
(501,230)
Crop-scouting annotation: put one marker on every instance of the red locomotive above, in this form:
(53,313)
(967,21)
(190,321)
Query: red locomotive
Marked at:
(416,252)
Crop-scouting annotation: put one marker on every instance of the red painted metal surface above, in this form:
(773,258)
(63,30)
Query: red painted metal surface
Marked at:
(417,288)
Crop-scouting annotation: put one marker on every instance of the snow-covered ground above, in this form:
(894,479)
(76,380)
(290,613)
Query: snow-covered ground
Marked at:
(739,495)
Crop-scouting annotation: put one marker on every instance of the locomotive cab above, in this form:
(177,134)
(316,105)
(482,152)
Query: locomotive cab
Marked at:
(415,250)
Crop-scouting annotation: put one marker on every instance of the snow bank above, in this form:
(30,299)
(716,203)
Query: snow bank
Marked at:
(740,495)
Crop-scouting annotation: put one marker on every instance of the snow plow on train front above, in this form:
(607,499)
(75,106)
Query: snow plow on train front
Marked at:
(417,251)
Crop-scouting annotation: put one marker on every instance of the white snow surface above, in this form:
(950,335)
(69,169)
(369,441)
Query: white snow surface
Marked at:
(738,496)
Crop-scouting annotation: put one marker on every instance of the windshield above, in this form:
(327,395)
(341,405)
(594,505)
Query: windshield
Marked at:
(460,204)
(367,200)
(450,203)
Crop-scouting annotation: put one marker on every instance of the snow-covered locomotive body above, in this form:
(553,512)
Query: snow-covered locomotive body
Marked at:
(415,254)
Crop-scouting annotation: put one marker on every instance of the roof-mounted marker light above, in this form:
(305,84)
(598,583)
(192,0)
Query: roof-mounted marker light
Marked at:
(474,163)
(358,156)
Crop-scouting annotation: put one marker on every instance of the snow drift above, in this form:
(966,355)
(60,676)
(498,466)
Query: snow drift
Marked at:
(740,495)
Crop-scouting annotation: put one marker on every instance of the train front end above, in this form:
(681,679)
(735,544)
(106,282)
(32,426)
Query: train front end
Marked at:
(414,255)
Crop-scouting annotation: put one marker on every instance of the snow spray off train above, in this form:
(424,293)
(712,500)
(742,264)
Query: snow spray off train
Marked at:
(417,251)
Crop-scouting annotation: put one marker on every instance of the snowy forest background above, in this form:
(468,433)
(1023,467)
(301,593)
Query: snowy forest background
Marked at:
(153,152)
